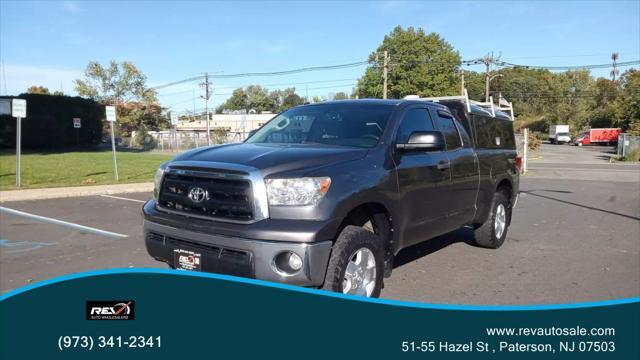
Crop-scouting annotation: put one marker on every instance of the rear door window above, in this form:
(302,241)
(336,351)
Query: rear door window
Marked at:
(492,133)
(447,126)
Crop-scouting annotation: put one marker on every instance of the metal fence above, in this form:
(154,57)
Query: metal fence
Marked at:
(628,144)
(180,140)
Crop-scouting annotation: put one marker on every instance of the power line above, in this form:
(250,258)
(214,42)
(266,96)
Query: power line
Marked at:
(274,73)
(230,93)
(471,62)
(574,67)
(266,85)
(561,56)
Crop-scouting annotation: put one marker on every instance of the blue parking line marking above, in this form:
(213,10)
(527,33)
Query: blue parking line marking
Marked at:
(26,245)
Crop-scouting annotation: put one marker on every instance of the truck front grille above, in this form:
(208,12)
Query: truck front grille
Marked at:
(211,197)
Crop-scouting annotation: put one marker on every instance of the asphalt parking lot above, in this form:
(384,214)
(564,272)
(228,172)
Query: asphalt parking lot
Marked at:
(575,236)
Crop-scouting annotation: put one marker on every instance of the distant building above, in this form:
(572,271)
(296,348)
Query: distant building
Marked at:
(230,122)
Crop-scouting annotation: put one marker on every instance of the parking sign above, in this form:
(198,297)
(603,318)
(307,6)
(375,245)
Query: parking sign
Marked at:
(19,108)
(77,123)
(111,113)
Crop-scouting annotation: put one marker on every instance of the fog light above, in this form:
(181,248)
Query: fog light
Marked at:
(295,262)
(287,263)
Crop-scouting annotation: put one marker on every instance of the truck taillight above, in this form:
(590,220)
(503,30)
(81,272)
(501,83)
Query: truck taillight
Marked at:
(519,162)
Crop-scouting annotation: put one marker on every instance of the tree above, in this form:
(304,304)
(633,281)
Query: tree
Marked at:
(341,95)
(36,89)
(115,84)
(291,100)
(627,104)
(259,99)
(605,92)
(285,99)
(421,64)
(255,97)
(238,101)
(124,85)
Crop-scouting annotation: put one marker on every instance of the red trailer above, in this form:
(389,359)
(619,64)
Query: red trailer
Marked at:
(604,136)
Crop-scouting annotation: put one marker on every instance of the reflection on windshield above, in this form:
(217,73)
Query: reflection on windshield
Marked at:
(359,125)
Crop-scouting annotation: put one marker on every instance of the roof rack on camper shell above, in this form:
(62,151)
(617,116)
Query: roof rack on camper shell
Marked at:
(489,107)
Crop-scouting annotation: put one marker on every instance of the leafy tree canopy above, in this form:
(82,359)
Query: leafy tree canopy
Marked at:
(124,85)
(36,89)
(259,99)
(420,63)
(114,84)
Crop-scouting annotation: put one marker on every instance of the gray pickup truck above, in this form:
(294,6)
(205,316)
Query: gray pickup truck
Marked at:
(325,195)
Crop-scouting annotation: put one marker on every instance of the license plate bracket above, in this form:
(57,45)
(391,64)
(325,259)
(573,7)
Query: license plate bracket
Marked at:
(184,259)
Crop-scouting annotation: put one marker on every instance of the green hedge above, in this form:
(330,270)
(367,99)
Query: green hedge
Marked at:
(49,122)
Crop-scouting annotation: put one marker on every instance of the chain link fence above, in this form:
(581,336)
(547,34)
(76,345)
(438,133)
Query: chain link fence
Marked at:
(177,141)
(628,146)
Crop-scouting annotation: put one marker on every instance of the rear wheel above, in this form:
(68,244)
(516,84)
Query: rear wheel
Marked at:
(493,232)
(356,265)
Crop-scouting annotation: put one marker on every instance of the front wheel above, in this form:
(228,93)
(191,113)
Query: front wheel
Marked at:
(356,265)
(493,232)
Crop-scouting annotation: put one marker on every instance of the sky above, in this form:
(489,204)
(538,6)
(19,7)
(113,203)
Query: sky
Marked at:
(50,43)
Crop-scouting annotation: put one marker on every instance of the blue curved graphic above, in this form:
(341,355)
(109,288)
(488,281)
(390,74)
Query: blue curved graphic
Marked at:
(317,292)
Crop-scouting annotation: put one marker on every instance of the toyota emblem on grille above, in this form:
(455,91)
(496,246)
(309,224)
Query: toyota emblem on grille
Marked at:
(197,194)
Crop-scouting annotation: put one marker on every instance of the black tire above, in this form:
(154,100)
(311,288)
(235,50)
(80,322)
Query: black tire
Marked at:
(351,239)
(485,234)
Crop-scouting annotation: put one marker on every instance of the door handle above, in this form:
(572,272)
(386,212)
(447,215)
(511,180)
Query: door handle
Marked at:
(443,165)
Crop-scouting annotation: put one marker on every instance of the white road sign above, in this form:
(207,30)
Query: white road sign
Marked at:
(174,118)
(77,123)
(111,113)
(19,108)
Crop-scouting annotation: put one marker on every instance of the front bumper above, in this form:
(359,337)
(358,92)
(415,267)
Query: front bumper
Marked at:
(236,254)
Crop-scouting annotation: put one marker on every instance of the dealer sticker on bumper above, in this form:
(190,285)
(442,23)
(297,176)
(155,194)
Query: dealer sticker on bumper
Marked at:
(187,260)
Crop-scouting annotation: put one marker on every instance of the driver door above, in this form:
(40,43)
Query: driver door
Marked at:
(422,179)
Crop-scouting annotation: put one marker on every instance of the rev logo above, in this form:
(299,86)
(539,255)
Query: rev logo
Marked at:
(111,310)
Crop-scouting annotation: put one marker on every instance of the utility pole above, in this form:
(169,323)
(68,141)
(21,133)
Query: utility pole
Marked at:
(462,84)
(487,63)
(488,60)
(206,97)
(614,70)
(385,71)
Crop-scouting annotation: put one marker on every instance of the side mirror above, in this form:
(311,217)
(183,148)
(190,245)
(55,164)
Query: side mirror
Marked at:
(424,140)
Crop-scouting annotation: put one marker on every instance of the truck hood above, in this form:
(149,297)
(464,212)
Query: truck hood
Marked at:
(275,158)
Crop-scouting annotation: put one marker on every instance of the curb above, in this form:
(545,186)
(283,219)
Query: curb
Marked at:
(76,191)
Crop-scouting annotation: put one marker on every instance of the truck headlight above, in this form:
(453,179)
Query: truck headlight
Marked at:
(157,180)
(297,191)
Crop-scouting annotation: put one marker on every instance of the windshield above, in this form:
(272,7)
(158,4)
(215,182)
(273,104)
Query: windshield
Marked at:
(358,125)
(563,134)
